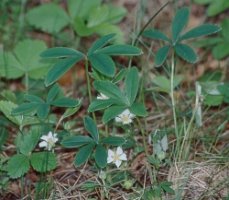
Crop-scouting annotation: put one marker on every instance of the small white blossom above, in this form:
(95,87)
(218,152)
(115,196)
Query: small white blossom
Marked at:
(116,156)
(102,96)
(125,117)
(48,141)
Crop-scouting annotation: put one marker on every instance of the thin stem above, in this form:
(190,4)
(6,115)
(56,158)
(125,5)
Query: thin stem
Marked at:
(26,82)
(143,136)
(172,96)
(89,86)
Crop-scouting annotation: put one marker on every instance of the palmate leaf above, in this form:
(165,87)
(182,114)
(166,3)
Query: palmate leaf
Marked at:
(161,55)
(76,141)
(179,22)
(119,49)
(48,17)
(113,141)
(101,156)
(202,30)
(103,63)
(18,165)
(155,34)
(65,102)
(91,127)
(83,154)
(131,84)
(186,53)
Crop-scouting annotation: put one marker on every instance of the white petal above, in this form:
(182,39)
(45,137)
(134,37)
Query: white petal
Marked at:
(119,151)
(110,153)
(127,122)
(118,119)
(126,112)
(50,134)
(131,115)
(44,137)
(110,159)
(118,163)
(123,157)
(43,144)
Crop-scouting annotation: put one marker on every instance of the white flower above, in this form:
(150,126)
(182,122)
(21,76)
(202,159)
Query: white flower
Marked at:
(125,117)
(48,140)
(116,156)
(102,96)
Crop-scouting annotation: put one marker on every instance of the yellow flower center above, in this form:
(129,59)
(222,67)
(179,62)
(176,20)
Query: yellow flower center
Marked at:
(125,118)
(116,157)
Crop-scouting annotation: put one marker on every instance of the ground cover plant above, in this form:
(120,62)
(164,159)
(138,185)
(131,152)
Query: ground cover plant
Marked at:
(88,114)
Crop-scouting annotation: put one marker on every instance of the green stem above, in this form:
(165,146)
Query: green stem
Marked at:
(172,97)
(89,86)
(26,82)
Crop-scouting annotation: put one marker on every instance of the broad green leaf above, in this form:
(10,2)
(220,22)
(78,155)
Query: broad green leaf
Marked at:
(113,140)
(43,110)
(120,75)
(48,17)
(53,93)
(71,111)
(213,100)
(221,51)
(116,14)
(155,34)
(186,53)
(61,52)
(103,63)
(65,102)
(97,15)
(111,112)
(110,90)
(17,165)
(60,68)
(25,108)
(217,7)
(99,104)
(81,28)
(225,29)
(33,98)
(179,22)
(202,30)
(131,84)
(120,49)
(83,154)
(43,161)
(161,55)
(81,8)
(101,156)
(25,59)
(26,142)
(76,141)
(138,109)
(103,41)
(91,127)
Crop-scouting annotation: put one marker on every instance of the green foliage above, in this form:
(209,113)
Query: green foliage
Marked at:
(83,154)
(91,127)
(24,60)
(3,136)
(184,51)
(48,17)
(215,7)
(101,156)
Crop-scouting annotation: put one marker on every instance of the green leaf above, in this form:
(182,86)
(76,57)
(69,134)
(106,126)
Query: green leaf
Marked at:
(101,156)
(161,55)
(43,110)
(48,17)
(138,109)
(91,127)
(120,49)
(115,14)
(221,51)
(81,28)
(33,98)
(17,165)
(60,68)
(43,161)
(71,111)
(103,63)
(83,154)
(225,29)
(65,102)
(61,52)
(53,93)
(179,22)
(199,31)
(111,112)
(120,75)
(131,84)
(155,34)
(3,136)
(217,7)
(76,141)
(113,140)
(99,104)
(186,53)
(25,108)
(103,41)
(110,90)
(25,59)
(27,142)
